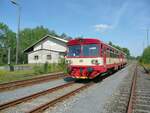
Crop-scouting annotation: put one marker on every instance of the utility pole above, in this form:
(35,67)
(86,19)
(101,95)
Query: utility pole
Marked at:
(143,45)
(9,56)
(147,35)
(18,32)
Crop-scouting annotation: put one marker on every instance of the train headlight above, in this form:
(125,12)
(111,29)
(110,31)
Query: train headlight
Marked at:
(95,62)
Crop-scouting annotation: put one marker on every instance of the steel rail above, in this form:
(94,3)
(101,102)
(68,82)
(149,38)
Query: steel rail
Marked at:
(53,102)
(33,96)
(27,82)
(132,92)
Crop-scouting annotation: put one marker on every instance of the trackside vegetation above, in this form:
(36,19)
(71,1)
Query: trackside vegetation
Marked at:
(36,71)
(145,58)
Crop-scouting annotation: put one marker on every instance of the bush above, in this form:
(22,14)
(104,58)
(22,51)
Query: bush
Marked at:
(146,56)
(11,66)
(46,67)
(49,68)
(38,69)
(62,65)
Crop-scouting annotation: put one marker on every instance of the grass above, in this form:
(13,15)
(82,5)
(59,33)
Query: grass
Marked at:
(147,67)
(38,70)
(7,76)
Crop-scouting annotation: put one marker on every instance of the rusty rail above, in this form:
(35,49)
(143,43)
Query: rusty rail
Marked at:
(132,92)
(53,102)
(33,96)
(23,83)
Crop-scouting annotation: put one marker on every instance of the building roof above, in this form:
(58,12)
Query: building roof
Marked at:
(30,48)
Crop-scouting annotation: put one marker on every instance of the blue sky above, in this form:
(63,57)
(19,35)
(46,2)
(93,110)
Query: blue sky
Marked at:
(123,22)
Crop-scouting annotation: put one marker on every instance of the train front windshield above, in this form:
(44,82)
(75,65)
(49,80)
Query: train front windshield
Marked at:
(83,50)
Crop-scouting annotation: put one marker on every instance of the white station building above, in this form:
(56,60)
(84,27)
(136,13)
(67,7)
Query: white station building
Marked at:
(48,49)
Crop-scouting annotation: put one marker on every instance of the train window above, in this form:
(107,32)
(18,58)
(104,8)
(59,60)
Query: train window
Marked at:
(107,52)
(91,50)
(114,53)
(101,46)
(110,50)
(111,53)
(74,50)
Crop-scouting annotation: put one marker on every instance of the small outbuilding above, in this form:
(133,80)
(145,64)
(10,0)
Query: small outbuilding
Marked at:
(48,49)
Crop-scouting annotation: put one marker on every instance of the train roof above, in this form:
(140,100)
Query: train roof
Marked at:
(83,41)
(90,41)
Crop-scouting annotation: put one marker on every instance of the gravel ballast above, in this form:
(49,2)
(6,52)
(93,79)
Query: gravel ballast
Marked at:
(94,98)
(25,91)
(36,102)
(142,92)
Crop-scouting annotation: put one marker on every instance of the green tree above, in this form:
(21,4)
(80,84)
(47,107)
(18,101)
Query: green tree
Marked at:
(28,37)
(110,43)
(63,35)
(146,56)
(53,33)
(7,40)
(125,50)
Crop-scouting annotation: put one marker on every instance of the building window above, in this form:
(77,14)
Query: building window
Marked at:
(49,57)
(61,55)
(36,57)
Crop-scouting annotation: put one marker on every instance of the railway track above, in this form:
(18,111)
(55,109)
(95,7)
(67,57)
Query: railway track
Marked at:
(141,94)
(28,82)
(133,95)
(132,92)
(38,102)
(120,100)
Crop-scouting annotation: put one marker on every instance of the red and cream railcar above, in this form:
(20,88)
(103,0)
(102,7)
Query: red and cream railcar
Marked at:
(88,58)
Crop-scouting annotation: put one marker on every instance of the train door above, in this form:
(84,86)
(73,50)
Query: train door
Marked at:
(105,59)
(119,56)
(104,56)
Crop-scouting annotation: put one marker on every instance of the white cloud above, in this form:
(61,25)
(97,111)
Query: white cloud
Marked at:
(120,12)
(102,27)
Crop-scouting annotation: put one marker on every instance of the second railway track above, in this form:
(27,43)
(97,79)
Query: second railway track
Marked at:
(40,101)
(133,95)
(121,101)
(141,94)
(23,83)
(139,100)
